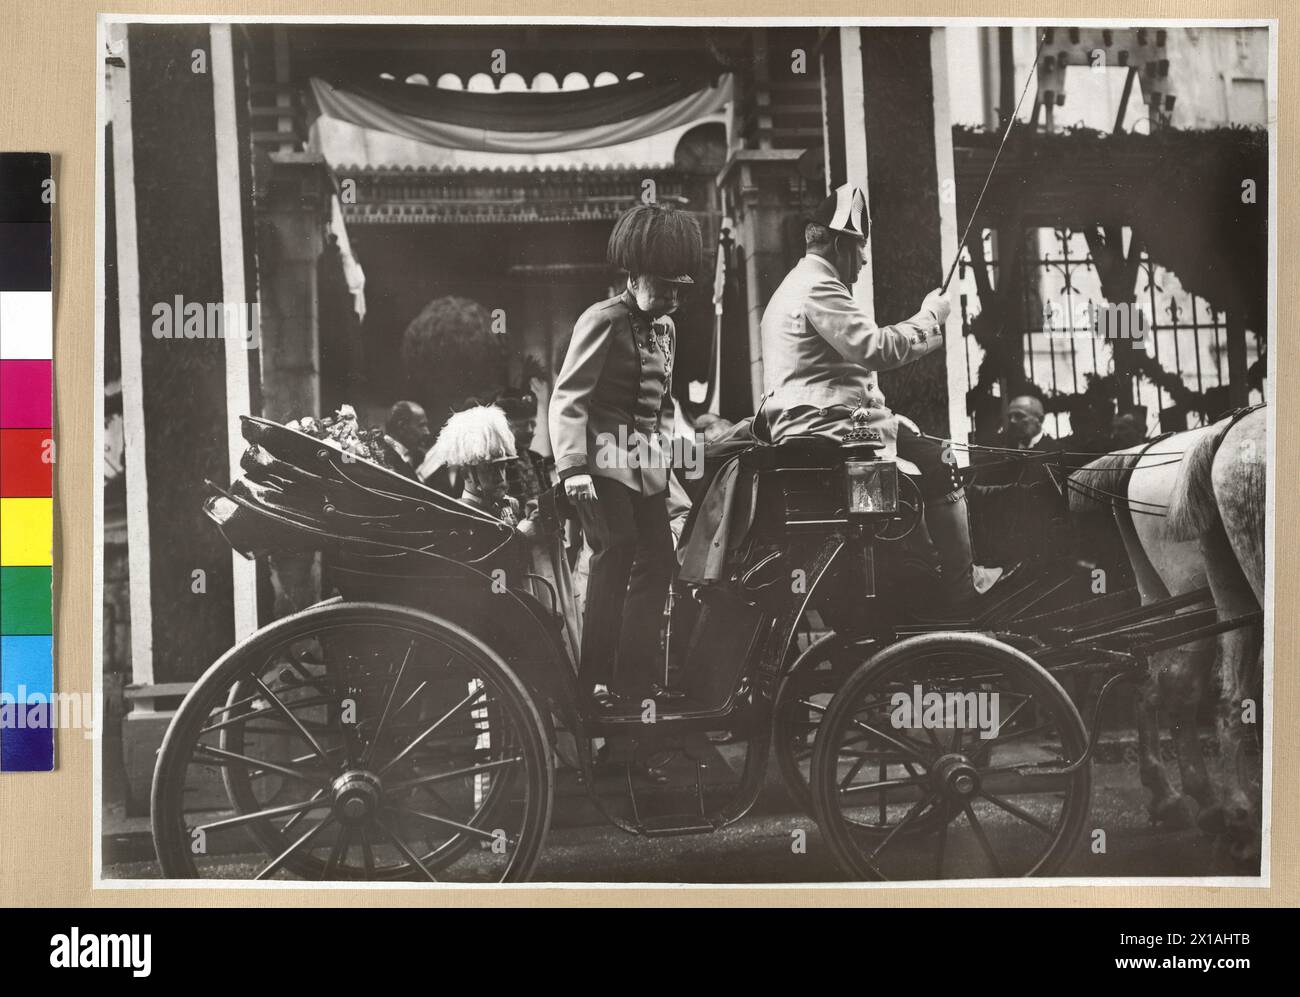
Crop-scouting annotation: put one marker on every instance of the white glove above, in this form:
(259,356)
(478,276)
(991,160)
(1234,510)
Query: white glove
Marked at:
(580,488)
(937,304)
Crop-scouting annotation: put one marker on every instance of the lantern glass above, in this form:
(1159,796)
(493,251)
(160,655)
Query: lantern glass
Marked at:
(872,487)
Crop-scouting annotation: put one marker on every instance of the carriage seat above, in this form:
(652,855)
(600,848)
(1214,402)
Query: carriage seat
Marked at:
(793,453)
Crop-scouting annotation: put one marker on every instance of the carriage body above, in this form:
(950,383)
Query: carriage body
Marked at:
(435,610)
(390,540)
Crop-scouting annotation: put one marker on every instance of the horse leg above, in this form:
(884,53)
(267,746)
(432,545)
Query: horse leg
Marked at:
(1239,658)
(1183,691)
(1167,805)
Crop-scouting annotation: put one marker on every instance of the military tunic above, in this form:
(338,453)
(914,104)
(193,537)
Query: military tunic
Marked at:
(821,355)
(612,405)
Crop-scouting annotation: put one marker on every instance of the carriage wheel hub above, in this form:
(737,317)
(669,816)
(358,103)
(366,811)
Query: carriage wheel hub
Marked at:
(356,796)
(956,777)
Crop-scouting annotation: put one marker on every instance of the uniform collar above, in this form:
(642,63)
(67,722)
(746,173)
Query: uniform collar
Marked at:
(824,265)
(650,321)
(629,299)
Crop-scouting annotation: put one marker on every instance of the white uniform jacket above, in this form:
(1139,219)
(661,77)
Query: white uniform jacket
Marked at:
(821,351)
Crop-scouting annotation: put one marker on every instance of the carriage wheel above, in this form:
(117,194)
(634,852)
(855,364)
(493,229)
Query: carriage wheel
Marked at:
(801,702)
(985,786)
(355,742)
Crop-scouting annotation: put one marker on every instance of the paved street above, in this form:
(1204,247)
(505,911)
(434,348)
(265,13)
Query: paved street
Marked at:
(760,848)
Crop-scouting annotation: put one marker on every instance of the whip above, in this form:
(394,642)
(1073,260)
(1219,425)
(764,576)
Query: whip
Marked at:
(1042,39)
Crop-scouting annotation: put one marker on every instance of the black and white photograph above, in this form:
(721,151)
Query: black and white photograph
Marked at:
(680,451)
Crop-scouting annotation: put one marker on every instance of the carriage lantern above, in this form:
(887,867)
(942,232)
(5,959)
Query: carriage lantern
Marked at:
(871,482)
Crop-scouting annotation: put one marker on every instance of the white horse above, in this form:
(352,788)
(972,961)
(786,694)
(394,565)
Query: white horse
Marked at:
(1191,515)
(1219,502)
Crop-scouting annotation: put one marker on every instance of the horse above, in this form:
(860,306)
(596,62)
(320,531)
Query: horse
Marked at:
(1219,502)
(1190,511)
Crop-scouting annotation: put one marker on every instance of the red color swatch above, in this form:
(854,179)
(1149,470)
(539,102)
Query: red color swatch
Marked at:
(24,470)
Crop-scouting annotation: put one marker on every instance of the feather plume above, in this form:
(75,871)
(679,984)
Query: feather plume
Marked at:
(476,436)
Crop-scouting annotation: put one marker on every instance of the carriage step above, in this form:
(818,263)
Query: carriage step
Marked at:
(671,825)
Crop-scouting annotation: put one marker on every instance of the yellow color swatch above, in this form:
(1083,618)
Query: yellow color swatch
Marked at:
(26,531)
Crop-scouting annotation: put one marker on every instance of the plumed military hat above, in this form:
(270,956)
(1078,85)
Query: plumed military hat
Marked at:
(843,210)
(479,435)
(659,240)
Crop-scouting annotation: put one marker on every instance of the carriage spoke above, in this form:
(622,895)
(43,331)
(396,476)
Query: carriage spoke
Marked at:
(457,825)
(1027,768)
(288,715)
(229,707)
(339,853)
(882,785)
(470,699)
(1012,715)
(268,713)
(411,698)
(406,851)
(288,825)
(882,770)
(943,842)
(388,704)
(453,774)
(902,744)
(275,864)
(983,839)
(367,854)
(916,810)
(1016,811)
(299,810)
(857,767)
(225,758)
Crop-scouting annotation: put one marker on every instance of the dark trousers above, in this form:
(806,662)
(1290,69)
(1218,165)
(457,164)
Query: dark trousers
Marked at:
(631,569)
(939,477)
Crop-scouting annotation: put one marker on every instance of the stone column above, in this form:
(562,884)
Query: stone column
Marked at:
(901,94)
(768,197)
(292,220)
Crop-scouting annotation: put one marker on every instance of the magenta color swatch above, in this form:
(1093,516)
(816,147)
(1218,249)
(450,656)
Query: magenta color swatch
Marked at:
(25,394)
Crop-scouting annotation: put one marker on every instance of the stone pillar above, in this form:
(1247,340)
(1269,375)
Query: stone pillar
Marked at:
(292,221)
(901,93)
(180,201)
(768,198)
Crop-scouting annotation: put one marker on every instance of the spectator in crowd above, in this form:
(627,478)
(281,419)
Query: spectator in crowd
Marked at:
(530,473)
(1016,503)
(406,437)
(1127,429)
(1024,424)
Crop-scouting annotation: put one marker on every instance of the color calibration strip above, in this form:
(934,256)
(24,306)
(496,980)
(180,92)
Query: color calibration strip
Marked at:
(27,712)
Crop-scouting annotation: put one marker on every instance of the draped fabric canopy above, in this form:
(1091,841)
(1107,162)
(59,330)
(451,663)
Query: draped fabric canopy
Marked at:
(522,122)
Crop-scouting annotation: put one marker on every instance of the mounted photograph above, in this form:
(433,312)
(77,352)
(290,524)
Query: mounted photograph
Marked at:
(634,451)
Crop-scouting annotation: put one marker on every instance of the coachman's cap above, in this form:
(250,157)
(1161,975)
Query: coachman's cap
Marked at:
(658,240)
(844,210)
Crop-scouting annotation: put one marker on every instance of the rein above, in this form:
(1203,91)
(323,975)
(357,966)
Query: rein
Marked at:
(1053,462)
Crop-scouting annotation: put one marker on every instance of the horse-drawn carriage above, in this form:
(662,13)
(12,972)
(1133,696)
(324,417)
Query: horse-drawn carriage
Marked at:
(409,727)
